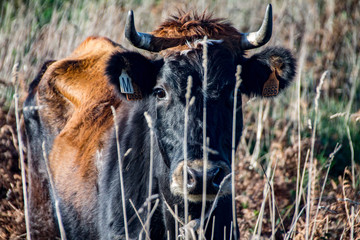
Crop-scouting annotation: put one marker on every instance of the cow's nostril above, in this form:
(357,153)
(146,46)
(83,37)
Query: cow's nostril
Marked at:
(218,176)
(214,176)
(191,179)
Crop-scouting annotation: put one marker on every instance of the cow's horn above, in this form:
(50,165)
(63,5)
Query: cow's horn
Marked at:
(138,39)
(262,36)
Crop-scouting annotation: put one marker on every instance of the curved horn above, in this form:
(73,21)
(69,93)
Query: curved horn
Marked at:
(262,36)
(138,39)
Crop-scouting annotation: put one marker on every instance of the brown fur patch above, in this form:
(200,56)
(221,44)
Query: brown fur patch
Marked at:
(276,64)
(77,97)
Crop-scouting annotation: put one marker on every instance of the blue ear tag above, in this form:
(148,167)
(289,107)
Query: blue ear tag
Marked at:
(131,91)
(125,83)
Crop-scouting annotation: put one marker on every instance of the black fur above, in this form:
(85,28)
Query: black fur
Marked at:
(40,206)
(168,117)
(142,71)
(256,70)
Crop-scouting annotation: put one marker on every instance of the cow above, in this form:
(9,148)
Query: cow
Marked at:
(105,121)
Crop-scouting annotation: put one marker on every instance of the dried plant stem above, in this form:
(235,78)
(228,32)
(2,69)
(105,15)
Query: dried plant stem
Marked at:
(141,222)
(331,157)
(214,204)
(212,228)
(120,172)
(233,148)
(299,195)
(150,124)
(21,153)
(258,225)
(186,121)
(354,75)
(52,185)
(205,139)
(311,165)
(352,155)
(145,204)
(352,223)
(298,118)
(173,213)
(156,204)
(256,151)
(272,204)
(293,225)
(176,222)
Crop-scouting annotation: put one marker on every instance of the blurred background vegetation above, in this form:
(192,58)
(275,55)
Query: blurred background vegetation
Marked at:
(324,35)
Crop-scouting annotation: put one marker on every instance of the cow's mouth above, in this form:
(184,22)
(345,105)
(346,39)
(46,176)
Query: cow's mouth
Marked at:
(217,180)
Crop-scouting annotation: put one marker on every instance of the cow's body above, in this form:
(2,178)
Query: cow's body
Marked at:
(73,117)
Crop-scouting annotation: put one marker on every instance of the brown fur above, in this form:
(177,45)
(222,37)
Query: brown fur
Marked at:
(184,27)
(77,97)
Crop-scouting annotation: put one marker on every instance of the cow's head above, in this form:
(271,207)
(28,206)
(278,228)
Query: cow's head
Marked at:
(163,85)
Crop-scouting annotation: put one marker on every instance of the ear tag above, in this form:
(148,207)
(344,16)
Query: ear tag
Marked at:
(271,86)
(125,83)
(131,91)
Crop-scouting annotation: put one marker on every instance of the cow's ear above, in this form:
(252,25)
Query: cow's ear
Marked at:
(132,74)
(268,72)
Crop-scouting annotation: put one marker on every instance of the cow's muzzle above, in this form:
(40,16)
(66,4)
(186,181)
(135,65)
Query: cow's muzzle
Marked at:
(195,180)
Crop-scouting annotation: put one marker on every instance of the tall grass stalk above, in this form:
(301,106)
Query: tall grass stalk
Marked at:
(214,204)
(355,76)
(212,228)
(186,121)
(176,222)
(141,222)
(233,147)
(56,198)
(21,153)
(173,213)
(150,124)
(352,223)
(331,157)
(311,165)
(348,214)
(299,195)
(258,225)
(272,203)
(205,139)
(298,118)
(152,211)
(352,176)
(120,172)
(256,151)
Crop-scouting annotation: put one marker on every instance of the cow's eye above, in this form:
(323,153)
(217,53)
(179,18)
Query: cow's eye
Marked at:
(160,93)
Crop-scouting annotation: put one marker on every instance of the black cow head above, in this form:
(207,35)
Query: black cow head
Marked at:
(162,85)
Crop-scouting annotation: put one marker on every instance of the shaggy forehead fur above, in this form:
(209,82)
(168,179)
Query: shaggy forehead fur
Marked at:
(188,27)
(220,71)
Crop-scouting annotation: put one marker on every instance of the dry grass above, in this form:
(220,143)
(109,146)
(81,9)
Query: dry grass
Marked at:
(286,136)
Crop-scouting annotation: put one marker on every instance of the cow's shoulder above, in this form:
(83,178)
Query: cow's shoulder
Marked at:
(77,100)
